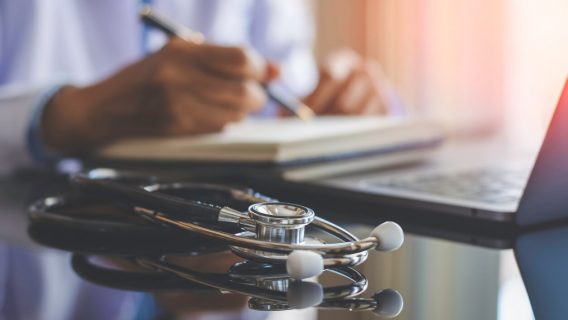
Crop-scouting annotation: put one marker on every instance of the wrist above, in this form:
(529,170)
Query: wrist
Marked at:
(64,122)
(79,119)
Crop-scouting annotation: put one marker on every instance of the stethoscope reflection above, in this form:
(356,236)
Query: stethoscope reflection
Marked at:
(268,287)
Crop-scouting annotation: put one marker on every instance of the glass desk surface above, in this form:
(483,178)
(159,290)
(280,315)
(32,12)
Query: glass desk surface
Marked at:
(437,278)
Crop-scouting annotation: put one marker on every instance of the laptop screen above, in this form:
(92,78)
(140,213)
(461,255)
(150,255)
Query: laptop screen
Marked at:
(546,194)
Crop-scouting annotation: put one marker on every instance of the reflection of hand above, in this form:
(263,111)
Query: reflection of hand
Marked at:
(181,89)
(349,84)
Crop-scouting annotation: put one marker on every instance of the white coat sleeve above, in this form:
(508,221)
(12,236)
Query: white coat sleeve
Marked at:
(20,111)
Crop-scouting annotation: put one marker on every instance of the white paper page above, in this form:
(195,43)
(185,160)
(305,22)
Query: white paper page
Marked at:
(283,130)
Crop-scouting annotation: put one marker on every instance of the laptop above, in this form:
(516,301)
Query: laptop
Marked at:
(464,183)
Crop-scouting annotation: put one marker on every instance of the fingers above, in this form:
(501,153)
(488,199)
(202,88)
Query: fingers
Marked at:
(333,73)
(352,94)
(179,111)
(324,94)
(186,117)
(221,76)
(234,62)
(359,95)
(192,117)
(207,86)
(349,85)
(246,95)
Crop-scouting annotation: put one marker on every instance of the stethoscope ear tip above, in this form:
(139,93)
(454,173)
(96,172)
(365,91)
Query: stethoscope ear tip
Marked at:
(389,303)
(304,294)
(389,235)
(302,264)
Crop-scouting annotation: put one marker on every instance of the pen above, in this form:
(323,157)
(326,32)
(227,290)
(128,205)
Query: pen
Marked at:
(172,28)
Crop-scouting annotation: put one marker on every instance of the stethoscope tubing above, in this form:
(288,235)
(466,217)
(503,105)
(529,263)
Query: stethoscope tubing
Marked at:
(174,206)
(60,222)
(166,204)
(175,211)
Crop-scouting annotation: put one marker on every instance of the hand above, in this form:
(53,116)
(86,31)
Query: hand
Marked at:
(348,85)
(181,89)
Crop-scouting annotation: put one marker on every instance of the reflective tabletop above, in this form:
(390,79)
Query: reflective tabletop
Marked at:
(435,275)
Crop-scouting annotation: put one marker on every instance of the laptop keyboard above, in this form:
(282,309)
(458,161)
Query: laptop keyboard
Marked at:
(494,186)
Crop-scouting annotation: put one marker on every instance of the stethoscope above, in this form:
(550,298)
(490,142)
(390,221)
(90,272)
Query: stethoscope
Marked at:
(268,288)
(270,232)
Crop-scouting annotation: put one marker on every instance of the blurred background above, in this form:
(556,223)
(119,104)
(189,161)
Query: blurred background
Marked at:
(480,67)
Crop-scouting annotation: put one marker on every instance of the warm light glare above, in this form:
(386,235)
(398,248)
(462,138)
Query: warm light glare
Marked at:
(478,66)
(536,64)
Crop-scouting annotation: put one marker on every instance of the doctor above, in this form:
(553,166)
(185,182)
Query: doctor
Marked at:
(75,75)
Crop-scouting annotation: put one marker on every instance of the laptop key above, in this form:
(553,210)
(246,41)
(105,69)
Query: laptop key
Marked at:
(483,185)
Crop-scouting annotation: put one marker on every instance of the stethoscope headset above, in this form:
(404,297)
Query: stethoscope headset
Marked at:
(268,286)
(255,227)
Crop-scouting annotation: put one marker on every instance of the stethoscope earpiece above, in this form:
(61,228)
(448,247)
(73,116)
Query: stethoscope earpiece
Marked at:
(303,264)
(389,235)
(304,294)
(389,303)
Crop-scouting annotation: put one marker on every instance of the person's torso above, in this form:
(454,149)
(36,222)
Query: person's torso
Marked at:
(83,40)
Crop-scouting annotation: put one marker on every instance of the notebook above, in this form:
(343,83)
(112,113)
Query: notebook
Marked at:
(325,145)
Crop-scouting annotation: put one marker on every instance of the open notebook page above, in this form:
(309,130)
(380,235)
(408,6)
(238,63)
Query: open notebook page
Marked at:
(266,139)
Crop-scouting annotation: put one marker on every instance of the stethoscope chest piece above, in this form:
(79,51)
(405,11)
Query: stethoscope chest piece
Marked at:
(281,221)
(277,222)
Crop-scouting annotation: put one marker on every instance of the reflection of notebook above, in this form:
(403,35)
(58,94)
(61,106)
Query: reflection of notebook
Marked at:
(289,142)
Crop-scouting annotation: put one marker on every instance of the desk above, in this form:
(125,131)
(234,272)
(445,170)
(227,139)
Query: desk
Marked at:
(438,276)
